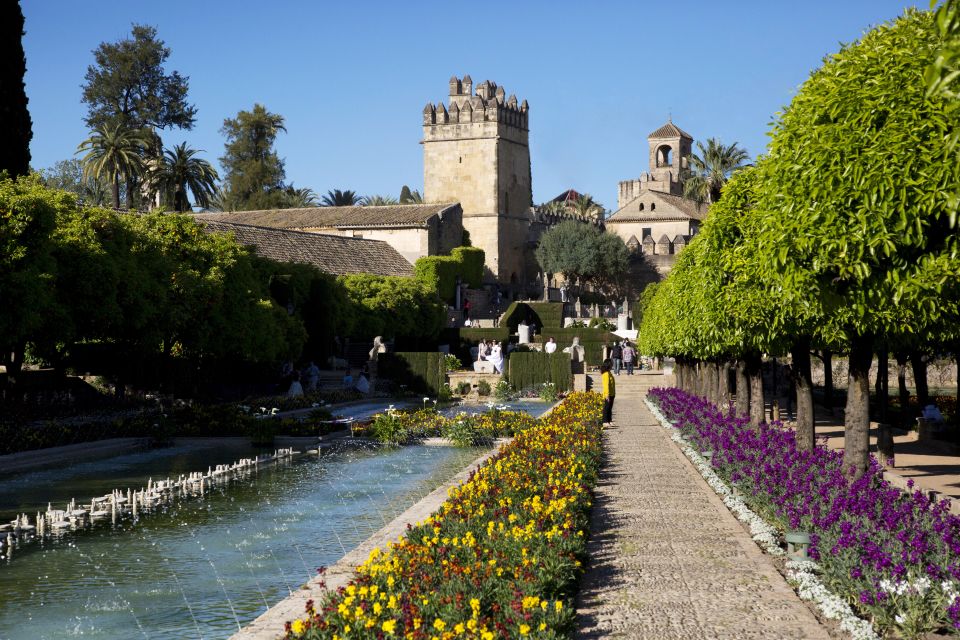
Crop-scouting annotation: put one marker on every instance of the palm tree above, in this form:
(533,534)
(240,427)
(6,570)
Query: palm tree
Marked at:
(300,198)
(585,207)
(380,201)
(337,198)
(177,171)
(114,151)
(711,169)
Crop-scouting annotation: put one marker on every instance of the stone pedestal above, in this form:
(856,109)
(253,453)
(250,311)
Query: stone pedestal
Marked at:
(623,322)
(523,331)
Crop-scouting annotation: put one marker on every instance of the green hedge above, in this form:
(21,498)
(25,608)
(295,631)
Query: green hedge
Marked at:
(529,369)
(440,273)
(420,371)
(565,336)
(547,315)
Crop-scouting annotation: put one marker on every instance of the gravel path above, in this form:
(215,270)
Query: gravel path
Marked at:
(667,560)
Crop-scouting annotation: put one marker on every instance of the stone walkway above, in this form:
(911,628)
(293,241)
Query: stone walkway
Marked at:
(667,558)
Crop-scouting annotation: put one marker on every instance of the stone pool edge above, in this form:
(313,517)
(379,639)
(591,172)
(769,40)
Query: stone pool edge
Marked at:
(270,624)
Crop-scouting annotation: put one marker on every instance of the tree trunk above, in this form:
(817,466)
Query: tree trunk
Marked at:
(884,435)
(757,405)
(723,385)
(712,384)
(130,186)
(742,390)
(856,433)
(828,379)
(803,386)
(881,386)
(905,418)
(919,365)
(116,191)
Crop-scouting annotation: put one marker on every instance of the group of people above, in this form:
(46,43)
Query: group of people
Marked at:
(622,355)
(492,352)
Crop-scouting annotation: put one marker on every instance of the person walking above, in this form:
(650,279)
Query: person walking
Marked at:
(609,391)
(466,313)
(629,357)
(616,356)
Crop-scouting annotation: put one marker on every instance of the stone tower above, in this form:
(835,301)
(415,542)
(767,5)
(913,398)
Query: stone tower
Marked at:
(670,149)
(475,152)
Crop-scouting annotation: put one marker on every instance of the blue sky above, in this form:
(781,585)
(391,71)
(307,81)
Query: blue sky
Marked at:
(351,78)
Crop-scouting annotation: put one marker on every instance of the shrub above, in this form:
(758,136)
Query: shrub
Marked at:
(451,363)
(389,429)
(483,388)
(421,371)
(530,370)
(602,323)
(503,391)
(439,273)
(548,392)
(463,388)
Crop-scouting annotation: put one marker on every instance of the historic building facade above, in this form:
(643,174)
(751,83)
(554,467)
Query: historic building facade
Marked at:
(476,152)
(653,217)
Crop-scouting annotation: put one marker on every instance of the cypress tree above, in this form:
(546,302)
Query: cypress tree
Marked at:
(405,195)
(15,134)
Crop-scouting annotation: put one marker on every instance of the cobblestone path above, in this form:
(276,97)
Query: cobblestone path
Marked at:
(667,560)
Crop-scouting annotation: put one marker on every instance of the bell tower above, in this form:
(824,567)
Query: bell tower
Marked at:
(670,149)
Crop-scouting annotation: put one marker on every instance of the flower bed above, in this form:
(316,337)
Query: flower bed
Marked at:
(406,427)
(501,556)
(894,557)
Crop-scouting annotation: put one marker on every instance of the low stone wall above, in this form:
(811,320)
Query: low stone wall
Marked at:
(473,378)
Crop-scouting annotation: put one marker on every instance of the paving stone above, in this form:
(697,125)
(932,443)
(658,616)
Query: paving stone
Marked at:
(667,559)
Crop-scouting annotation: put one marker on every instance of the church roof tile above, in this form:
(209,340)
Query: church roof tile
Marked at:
(355,217)
(336,255)
(670,130)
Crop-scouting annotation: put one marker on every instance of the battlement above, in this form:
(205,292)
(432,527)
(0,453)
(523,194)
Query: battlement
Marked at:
(488,104)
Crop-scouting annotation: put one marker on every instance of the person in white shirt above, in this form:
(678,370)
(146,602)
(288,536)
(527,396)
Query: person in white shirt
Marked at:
(550,346)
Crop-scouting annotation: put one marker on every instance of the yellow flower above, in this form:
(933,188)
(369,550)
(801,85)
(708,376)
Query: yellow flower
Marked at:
(459,628)
(389,626)
(297,627)
(524,629)
(558,606)
(439,624)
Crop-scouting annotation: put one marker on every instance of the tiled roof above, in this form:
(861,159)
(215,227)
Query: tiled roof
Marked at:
(398,215)
(332,254)
(670,130)
(670,207)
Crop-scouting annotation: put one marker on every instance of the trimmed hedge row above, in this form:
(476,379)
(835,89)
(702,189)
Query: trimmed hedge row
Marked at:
(419,370)
(565,336)
(533,368)
(440,272)
(545,314)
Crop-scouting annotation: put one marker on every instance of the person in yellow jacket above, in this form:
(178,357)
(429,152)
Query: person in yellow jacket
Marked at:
(609,391)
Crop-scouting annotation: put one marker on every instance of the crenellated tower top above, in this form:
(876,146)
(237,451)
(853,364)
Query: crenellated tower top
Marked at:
(489,103)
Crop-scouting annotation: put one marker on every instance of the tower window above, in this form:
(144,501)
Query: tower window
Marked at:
(664,156)
(461,159)
(653,205)
(640,208)
(646,231)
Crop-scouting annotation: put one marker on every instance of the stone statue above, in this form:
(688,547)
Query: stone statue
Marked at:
(577,356)
(378,348)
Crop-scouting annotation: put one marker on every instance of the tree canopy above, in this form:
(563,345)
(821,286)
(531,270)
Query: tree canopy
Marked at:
(128,85)
(844,233)
(253,172)
(583,252)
